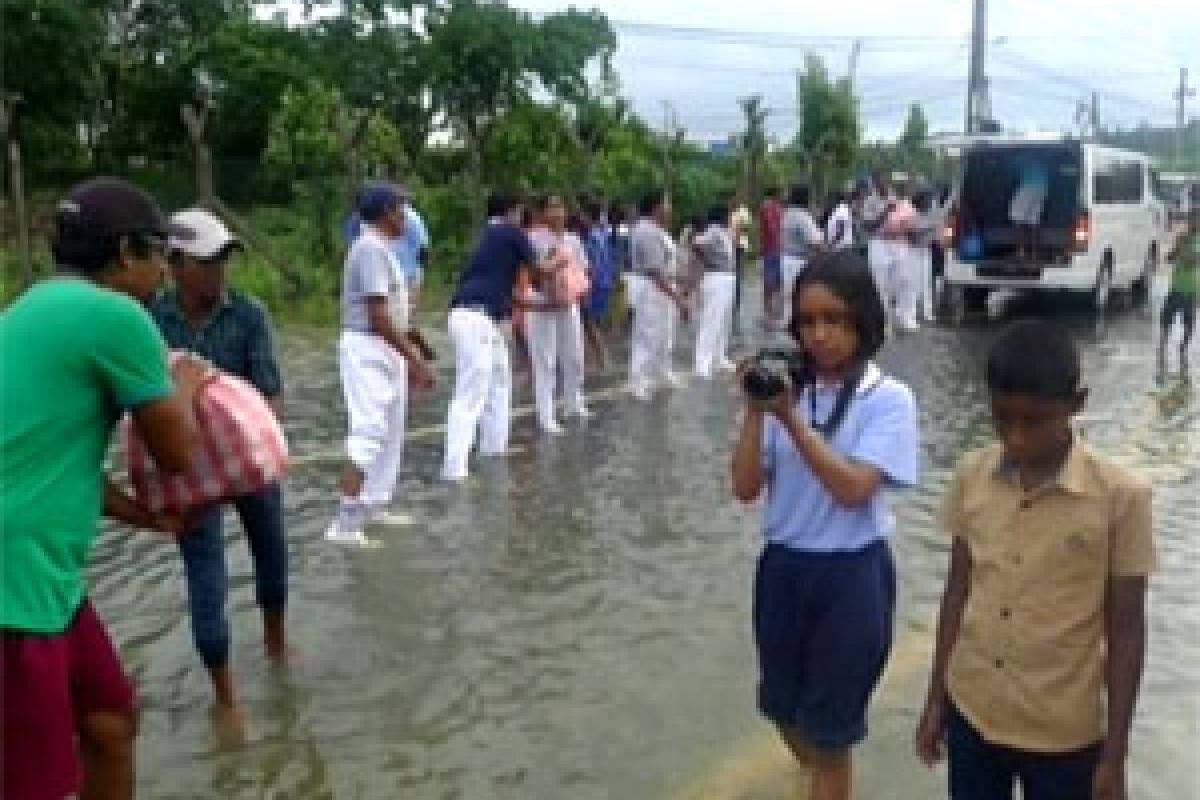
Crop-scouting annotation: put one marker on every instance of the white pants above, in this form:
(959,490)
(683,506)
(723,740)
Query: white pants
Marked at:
(887,261)
(375,385)
(482,391)
(790,268)
(716,320)
(925,288)
(556,341)
(908,287)
(650,345)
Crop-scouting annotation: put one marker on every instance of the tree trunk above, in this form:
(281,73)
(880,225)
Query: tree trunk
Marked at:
(8,134)
(195,119)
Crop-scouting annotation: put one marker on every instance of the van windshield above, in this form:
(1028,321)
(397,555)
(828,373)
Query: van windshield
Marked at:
(1011,186)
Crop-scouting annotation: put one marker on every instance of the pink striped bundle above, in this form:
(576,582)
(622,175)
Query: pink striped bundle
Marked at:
(241,450)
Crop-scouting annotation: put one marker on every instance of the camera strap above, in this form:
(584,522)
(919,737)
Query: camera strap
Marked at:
(841,405)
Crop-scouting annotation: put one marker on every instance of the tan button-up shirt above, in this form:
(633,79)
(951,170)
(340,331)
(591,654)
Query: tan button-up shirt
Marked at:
(1027,670)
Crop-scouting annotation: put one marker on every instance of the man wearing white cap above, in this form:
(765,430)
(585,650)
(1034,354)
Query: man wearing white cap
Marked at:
(233,332)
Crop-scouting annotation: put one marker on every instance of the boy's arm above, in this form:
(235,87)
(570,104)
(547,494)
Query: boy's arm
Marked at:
(954,601)
(122,508)
(1125,629)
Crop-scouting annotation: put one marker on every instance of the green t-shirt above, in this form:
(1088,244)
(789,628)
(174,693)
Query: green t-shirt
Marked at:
(1187,266)
(73,356)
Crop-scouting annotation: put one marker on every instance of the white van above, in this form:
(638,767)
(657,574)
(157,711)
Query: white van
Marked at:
(1100,224)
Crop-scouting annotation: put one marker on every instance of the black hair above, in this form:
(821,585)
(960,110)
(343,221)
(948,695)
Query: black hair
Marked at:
(1035,358)
(772,191)
(650,201)
(845,273)
(718,215)
(594,209)
(500,203)
(799,195)
(543,201)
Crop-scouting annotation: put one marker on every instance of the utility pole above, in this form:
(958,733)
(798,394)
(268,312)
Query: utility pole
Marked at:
(852,69)
(978,105)
(1181,96)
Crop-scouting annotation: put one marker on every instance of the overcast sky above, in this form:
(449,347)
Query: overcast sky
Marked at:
(1044,56)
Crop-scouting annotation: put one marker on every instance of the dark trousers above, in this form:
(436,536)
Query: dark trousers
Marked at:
(980,770)
(203,549)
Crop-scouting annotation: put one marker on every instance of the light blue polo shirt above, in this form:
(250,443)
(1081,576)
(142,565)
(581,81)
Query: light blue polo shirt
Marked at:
(407,249)
(880,429)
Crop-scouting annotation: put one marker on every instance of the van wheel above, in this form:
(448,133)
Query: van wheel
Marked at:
(1102,291)
(1139,292)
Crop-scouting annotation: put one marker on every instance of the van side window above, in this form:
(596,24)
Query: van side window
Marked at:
(1119,183)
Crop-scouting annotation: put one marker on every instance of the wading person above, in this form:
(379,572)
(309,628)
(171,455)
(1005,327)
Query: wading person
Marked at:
(77,350)
(602,269)
(770,219)
(375,360)
(555,330)
(201,315)
(496,277)
(1183,295)
(825,449)
(658,297)
(1042,631)
(715,256)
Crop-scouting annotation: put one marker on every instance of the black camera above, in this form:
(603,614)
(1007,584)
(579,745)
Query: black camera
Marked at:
(770,372)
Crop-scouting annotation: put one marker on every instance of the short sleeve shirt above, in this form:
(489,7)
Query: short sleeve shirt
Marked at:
(800,232)
(407,249)
(236,338)
(491,274)
(73,358)
(1028,668)
(650,249)
(879,429)
(715,248)
(839,233)
(1185,277)
(769,220)
(370,271)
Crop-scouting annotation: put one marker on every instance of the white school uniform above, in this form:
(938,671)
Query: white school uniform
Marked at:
(715,250)
(556,340)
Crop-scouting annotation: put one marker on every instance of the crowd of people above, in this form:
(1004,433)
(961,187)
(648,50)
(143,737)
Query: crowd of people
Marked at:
(1042,627)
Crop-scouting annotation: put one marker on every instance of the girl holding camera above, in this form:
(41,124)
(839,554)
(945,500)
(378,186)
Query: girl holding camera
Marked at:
(825,448)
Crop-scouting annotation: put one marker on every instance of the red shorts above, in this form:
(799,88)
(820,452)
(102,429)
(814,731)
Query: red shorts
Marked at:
(51,683)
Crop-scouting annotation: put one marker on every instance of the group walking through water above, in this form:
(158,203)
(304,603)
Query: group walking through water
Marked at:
(1041,634)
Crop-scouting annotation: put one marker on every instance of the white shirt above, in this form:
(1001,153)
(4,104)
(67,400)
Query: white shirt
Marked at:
(839,232)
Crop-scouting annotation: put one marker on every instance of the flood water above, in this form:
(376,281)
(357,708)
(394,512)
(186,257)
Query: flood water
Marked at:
(574,621)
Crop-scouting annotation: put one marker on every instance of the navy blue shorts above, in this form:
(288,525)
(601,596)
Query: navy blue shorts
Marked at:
(823,628)
(772,271)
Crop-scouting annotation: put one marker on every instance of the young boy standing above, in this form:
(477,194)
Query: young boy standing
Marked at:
(1042,633)
(1184,293)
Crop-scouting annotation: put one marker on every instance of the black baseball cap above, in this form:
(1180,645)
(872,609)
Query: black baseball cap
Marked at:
(109,207)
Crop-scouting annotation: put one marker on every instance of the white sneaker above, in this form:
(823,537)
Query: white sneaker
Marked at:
(727,366)
(583,412)
(638,391)
(553,429)
(336,535)
(673,380)
(704,376)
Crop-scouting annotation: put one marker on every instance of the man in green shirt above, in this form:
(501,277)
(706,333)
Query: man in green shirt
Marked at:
(76,351)
(1182,297)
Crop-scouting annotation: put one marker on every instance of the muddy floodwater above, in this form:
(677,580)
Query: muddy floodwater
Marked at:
(573,622)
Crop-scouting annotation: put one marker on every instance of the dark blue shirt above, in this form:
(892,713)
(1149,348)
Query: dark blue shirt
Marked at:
(236,338)
(599,246)
(487,282)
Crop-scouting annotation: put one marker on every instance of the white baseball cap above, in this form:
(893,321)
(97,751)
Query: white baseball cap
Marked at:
(210,236)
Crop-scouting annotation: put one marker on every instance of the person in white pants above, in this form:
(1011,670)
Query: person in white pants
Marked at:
(902,281)
(377,364)
(658,298)
(928,226)
(484,298)
(839,230)
(875,208)
(556,334)
(800,237)
(716,258)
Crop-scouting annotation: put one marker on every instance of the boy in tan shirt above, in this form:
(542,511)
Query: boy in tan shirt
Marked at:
(1041,635)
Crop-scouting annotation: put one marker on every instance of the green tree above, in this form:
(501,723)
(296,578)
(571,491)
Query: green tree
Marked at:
(913,149)
(753,146)
(827,142)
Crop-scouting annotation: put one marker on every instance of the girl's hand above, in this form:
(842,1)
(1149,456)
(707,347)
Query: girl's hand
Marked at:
(782,405)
